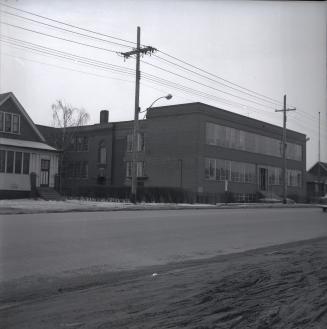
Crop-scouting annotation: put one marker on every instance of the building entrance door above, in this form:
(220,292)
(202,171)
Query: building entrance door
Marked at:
(45,167)
(263,177)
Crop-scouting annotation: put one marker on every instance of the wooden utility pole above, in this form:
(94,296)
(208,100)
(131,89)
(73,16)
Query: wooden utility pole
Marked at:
(319,172)
(284,171)
(138,51)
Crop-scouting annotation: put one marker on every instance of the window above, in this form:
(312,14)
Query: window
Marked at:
(79,144)
(8,117)
(221,170)
(294,178)
(85,143)
(140,166)
(129,143)
(246,141)
(140,143)
(10,161)
(26,163)
(140,169)
(1,121)
(2,160)
(85,169)
(15,123)
(102,153)
(18,162)
(129,169)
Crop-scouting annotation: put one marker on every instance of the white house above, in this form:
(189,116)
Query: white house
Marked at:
(26,160)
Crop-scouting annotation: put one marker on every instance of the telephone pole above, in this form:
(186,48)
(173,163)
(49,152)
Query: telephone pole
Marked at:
(319,172)
(284,171)
(138,51)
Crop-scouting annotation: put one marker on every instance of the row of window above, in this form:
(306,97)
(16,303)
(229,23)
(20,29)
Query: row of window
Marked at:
(140,168)
(14,162)
(9,122)
(140,142)
(246,141)
(77,169)
(221,170)
(241,172)
(79,144)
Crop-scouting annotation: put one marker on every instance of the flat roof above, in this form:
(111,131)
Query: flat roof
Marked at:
(26,144)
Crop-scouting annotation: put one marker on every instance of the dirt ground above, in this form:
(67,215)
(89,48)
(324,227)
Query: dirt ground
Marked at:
(277,287)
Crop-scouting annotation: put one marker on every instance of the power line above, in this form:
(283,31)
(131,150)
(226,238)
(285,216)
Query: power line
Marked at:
(214,80)
(205,85)
(120,69)
(59,38)
(66,30)
(124,70)
(66,68)
(70,25)
(128,41)
(65,55)
(216,76)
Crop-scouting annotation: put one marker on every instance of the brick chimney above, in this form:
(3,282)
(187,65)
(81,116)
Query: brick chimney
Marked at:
(104,116)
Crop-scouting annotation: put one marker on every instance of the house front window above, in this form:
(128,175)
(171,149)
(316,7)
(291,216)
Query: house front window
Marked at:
(9,122)
(10,162)
(15,123)
(18,162)
(2,160)
(8,117)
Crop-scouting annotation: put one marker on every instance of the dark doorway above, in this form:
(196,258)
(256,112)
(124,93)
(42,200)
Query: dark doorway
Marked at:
(45,167)
(263,177)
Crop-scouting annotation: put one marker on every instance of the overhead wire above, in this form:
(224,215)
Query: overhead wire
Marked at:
(214,80)
(131,42)
(116,68)
(262,97)
(59,38)
(122,70)
(216,76)
(66,30)
(205,85)
(66,24)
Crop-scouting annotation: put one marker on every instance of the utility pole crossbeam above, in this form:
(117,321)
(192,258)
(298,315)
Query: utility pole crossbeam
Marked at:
(138,51)
(284,171)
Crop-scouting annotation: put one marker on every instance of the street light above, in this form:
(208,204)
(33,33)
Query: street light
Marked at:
(169,96)
(135,137)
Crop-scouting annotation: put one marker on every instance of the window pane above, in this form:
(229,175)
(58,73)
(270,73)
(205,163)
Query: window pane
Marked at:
(15,126)
(85,143)
(1,121)
(129,143)
(18,163)
(10,161)
(8,122)
(2,160)
(26,163)
(128,169)
(103,155)
(85,169)
(140,169)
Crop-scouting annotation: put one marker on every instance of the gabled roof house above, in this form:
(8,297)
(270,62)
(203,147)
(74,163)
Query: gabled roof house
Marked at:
(26,160)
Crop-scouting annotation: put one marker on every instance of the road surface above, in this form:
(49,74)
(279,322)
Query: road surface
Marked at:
(59,244)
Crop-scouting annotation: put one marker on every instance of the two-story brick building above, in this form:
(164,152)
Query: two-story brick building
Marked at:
(25,157)
(192,146)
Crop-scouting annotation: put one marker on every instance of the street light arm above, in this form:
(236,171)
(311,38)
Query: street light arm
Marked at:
(169,96)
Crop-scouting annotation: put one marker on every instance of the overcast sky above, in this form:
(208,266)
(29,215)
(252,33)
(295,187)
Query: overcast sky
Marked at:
(270,47)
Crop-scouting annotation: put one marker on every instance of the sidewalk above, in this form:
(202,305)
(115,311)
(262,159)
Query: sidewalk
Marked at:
(31,206)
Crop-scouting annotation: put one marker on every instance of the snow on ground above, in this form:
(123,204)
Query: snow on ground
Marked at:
(41,205)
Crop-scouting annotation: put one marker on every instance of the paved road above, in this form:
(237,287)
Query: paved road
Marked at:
(47,244)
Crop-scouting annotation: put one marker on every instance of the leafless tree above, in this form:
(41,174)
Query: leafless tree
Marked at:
(68,119)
